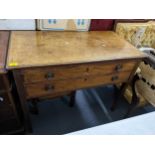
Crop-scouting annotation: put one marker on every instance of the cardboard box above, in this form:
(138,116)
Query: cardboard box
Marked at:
(63,24)
(17,24)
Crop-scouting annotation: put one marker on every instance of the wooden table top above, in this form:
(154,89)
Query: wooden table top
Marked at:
(44,48)
(4,37)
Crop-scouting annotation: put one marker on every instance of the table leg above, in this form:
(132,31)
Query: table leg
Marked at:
(72,99)
(117,94)
(34,107)
(135,99)
(123,87)
(24,105)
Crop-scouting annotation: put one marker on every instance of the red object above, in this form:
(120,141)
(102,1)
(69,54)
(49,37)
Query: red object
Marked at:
(101,24)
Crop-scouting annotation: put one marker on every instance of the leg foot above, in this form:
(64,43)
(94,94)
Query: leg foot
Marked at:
(131,109)
(113,107)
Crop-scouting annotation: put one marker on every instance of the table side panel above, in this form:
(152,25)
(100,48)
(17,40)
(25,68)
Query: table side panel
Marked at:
(4,38)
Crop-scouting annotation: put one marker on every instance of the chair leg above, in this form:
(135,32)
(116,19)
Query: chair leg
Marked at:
(72,99)
(117,94)
(131,109)
(135,99)
(34,109)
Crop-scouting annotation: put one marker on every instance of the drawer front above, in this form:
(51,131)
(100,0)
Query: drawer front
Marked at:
(74,71)
(51,87)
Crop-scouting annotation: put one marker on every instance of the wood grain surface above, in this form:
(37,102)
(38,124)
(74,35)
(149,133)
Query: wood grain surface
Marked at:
(42,48)
(32,75)
(4,37)
(52,87)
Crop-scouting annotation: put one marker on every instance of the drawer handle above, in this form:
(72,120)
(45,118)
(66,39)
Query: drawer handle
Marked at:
(49,87)
(49,75)
(114,78)
(118,67)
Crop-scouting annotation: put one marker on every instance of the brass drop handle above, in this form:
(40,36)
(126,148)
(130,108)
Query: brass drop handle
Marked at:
(49,87)
(118,67)
(49,75)
(114,78)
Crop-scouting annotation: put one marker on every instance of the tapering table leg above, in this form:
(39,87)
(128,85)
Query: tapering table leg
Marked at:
(117,94)
(135,99)
(34,107)
(72,99)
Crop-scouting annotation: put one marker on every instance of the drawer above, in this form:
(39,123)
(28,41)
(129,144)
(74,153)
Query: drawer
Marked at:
(52,87)
(74,71)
